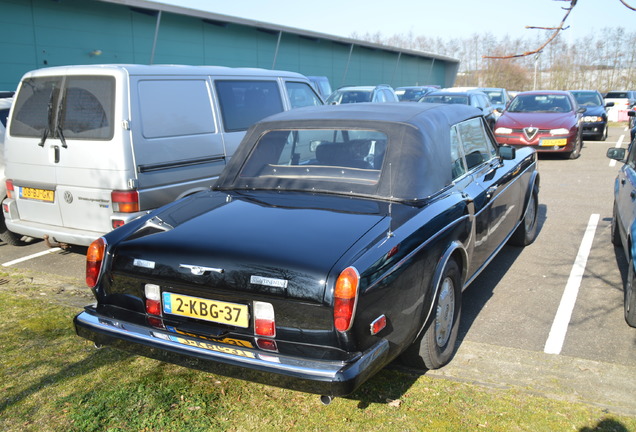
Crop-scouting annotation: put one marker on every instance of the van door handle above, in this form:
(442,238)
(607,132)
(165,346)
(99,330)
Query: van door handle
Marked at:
(55,154)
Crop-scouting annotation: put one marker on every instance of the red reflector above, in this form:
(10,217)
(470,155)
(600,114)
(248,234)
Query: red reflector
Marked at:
(117,223)
(153,307)
(378,325)
(156,322)
(345,298)
(94,258)
(125,201)
(10,189)
(266,344)
(5,208)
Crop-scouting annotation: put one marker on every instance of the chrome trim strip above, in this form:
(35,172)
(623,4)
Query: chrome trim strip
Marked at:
(179,164)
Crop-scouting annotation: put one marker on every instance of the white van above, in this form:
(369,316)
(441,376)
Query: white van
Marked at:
(89,148)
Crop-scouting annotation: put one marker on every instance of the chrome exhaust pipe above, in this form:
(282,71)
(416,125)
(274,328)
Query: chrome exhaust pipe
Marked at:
(326,400)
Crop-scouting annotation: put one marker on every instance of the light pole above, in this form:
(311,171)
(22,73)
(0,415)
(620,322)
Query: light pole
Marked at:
(536,68)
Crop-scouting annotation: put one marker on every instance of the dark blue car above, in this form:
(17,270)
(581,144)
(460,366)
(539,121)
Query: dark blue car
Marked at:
(337,239)
(624,221)
(594,120)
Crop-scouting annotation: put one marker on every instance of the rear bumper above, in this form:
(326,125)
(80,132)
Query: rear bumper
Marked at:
(330,378)
(57,234)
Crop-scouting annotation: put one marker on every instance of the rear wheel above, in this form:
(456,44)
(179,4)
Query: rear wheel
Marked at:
(9,237)
(435,346)
(630,296)
(526,232)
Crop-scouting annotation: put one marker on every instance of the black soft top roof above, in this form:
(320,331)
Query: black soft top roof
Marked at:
(417,162)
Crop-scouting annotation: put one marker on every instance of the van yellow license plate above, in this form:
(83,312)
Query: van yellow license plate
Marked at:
(553,142)
(37,194)
(233,314)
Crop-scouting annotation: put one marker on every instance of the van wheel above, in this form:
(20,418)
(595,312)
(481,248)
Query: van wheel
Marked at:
(9,237)
(435,346)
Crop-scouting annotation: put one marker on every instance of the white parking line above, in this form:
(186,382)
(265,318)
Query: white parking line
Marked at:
(618,144)
(26,258)
(554,344)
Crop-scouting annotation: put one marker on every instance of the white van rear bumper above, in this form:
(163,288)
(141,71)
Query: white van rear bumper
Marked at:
(55,233)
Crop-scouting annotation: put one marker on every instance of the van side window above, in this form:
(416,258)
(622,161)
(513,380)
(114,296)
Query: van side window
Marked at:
(301,94)
(244,102)
(177,107)
(88,108)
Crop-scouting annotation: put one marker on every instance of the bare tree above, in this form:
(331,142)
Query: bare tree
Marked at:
(555,31)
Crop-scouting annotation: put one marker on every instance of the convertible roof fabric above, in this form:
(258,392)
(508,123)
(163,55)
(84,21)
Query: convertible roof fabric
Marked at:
(417,163)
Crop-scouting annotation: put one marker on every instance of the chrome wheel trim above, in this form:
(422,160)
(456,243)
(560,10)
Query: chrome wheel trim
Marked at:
(445,313)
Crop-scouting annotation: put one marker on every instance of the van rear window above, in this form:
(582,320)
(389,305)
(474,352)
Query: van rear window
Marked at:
(73,107)
(244,102)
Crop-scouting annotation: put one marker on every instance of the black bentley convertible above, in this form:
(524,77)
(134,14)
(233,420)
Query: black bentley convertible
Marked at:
(337,239)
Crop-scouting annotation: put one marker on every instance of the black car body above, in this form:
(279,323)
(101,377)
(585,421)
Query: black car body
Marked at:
(594,120)
(336,240)
(474,98)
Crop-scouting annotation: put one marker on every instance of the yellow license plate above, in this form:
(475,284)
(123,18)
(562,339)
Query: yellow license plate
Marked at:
(209,310)
(37,194)
(213,347)
(554,142)
(225,340)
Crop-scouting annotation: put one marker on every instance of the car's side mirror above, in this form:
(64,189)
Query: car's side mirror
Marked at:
(609,104)
(581,110)
(616,153)
(499,110)
(507,152)
(631,113)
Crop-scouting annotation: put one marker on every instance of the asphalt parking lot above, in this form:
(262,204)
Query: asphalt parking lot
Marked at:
(547,318)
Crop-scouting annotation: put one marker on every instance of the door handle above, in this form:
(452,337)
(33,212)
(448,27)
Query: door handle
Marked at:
(632,194)
(54,154)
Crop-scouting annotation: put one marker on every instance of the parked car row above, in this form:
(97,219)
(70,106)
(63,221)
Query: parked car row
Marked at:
(202,259)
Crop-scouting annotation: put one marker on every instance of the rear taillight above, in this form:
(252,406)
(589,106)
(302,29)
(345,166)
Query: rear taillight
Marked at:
(94,259)
(153,299)
(10,190)
(345,298)
(125,201)
(264,319)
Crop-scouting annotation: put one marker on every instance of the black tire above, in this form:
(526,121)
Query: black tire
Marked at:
(615,233)
(9,237)
(435,346)
(629,297)
(603,136)
(526,232)
(576,152)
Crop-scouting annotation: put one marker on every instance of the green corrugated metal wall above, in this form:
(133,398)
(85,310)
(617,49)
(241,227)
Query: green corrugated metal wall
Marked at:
(41,33)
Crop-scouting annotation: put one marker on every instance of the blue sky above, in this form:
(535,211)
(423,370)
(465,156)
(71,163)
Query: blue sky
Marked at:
(433,18)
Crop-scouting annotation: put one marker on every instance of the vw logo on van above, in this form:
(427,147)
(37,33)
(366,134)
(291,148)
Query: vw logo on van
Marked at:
(68,197)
